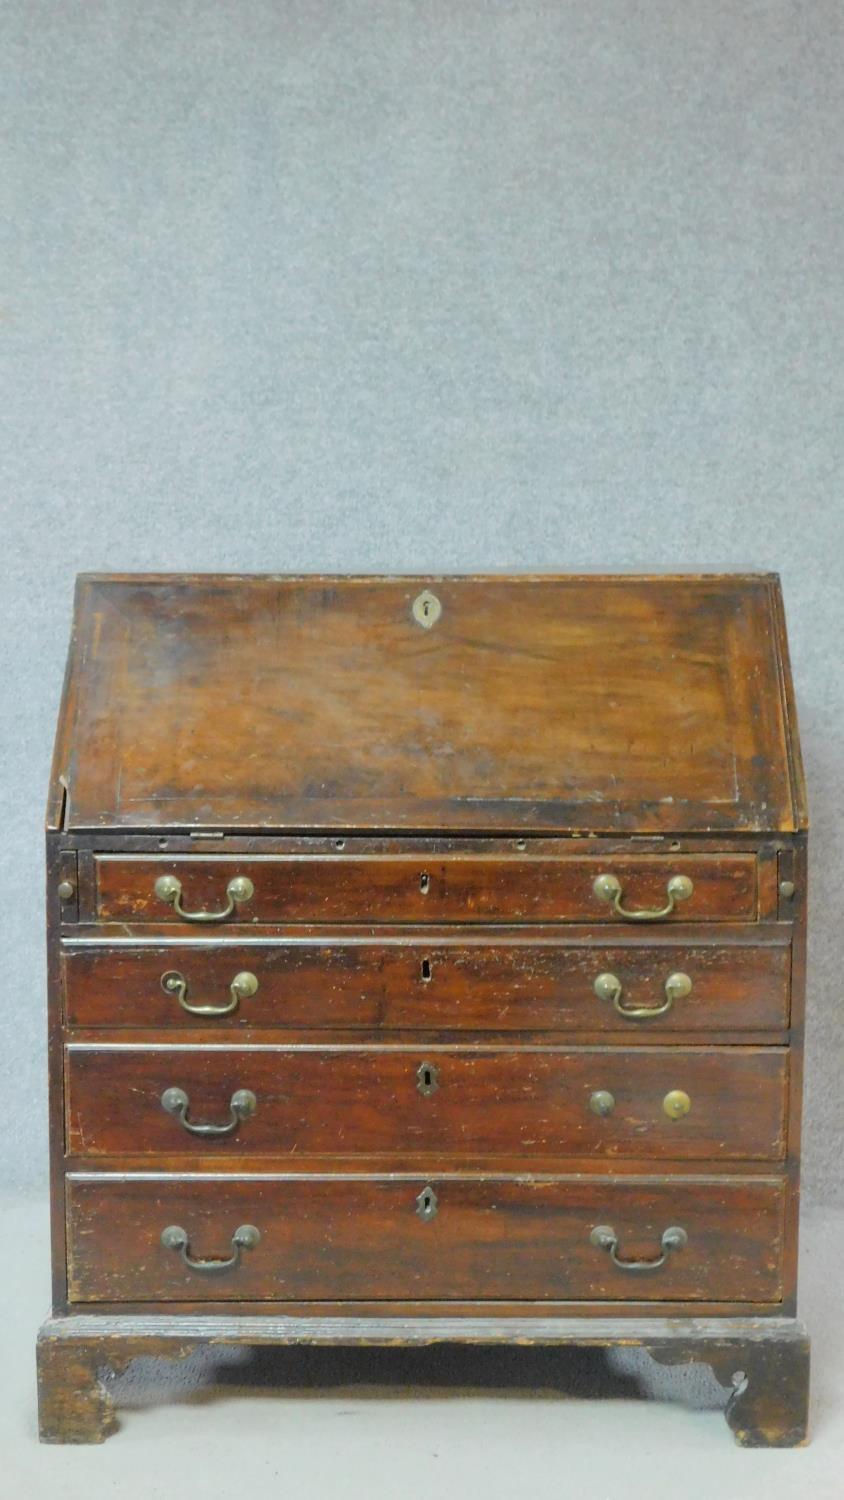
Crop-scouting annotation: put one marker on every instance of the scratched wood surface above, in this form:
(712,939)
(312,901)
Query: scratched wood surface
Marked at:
(345,1239)
(565,703)
(422,814)
(762,1362)
(430,982)
(456,888)
(483,1100)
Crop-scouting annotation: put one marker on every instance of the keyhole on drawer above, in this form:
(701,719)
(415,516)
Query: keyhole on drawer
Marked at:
(425,972)
(427,1080)
(426,1204)
(424,883)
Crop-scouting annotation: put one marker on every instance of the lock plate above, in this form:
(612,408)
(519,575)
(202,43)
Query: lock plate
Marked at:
(427,1079)
(427,1204)
(426,609)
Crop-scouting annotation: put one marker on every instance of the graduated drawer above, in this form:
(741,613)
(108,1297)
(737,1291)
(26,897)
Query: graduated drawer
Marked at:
(449,1102)
(420,888)
(516,984)
(344,1238)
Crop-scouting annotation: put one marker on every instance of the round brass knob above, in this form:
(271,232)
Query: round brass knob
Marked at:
(676,1104)
(607,887)
(66,890)
(680,887)
(168,888)
(602,1102)
(245,984)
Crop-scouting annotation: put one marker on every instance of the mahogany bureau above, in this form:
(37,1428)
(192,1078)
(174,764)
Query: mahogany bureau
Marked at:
(426,963)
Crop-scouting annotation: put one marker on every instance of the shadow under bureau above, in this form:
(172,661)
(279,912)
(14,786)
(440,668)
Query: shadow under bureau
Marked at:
(426,963)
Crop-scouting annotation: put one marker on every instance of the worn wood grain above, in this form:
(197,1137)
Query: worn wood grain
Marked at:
(384,888)
(535,1100)
(423,814)
(764,1364)
(427,983)
(335,1238)
(572,703)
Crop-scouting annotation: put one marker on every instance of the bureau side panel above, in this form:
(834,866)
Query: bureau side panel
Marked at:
(56,867)
(798,903)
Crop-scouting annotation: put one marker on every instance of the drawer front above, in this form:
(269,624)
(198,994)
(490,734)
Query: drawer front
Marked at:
(376,1238)
(416,888)
(449,1102)
(437,986)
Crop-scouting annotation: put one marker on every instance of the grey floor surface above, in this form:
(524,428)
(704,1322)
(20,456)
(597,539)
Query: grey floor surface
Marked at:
(429,1425)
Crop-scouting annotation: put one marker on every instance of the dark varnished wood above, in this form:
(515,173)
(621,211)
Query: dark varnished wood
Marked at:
(384,888)
(769,1401)
(74,1399)
(431,983)
(73,1403)
(764,1364)
(55,1062)
(486,1100)
(573,703)
(349,1238)
(308,733)
(345,845)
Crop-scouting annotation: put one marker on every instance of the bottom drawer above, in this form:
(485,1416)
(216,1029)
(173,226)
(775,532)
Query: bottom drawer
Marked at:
(388,1238)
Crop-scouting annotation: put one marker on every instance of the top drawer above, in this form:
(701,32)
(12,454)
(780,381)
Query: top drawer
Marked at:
(411,888)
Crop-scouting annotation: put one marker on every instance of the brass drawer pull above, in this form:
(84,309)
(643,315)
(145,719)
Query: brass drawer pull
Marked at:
(241,988)
(604,1237)
(609,987)
(169,888)
(608,888)
(176,1103)
(244,1238)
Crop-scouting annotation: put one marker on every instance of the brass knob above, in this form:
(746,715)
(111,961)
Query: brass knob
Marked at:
(602,1102)
(240,889)
(168,888)
(676,1104)
(65,890)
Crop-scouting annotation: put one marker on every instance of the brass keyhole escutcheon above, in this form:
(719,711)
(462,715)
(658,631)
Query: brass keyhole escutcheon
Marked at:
(426,1204)
(427,1079)
(676,1104)
(426,609)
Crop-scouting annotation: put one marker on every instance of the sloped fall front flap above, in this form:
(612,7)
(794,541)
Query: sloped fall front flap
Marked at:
(506,703)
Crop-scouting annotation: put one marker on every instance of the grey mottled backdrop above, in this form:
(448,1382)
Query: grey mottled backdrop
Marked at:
(315,284)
